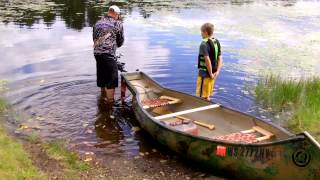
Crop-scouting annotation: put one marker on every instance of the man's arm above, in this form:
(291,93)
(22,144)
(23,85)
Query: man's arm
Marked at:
(94,34)
(120,36)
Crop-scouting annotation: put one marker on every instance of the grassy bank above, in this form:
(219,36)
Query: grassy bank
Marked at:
(72,166)
(15,162)
(298,101)
(2,105)
(40,161)
(33,159)
(2,101)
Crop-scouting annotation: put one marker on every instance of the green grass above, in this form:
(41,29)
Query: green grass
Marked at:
(71,163)
(18,165)
(301,98)
(2,105)
(15,163)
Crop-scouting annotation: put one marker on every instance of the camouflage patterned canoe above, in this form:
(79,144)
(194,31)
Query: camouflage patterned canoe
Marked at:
(221,139)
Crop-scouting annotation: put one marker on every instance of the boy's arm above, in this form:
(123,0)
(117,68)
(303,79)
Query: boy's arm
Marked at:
(219,65)
(209,67)
(204,51)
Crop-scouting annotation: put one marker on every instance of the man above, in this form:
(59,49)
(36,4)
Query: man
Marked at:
(107,37)
(209,62)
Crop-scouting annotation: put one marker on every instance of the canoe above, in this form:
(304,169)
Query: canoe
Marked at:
(223,140)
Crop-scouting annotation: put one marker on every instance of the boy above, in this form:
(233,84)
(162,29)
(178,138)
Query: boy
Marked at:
(209,62)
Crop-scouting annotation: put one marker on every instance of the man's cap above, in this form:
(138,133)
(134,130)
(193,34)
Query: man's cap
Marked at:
(115,8)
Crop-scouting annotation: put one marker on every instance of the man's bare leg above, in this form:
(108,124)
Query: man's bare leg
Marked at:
(103,92)
(110,95)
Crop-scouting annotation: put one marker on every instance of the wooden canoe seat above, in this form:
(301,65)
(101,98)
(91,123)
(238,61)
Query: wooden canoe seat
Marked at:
(187,120)
(158,102)
(179,119)
(187,111)
(266,134)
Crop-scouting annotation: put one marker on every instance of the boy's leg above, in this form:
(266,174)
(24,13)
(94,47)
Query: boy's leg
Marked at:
(200,84)
(205,86)
(208,85)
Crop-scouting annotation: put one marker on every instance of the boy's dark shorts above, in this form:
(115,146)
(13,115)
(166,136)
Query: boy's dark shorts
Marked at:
(107,71)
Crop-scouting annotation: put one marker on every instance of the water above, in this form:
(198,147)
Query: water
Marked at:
(46,55)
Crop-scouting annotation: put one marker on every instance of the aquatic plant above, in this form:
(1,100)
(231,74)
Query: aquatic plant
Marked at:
(296,99)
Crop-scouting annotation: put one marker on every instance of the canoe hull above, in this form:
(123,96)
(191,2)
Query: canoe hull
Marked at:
(296,157)
(274,161)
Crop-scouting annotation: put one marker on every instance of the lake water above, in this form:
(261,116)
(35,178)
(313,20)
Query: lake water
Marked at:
(47,58)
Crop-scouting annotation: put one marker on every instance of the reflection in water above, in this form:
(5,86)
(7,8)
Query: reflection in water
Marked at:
(73,110)
(165,44)
(114,129)
(82,13)
(46,54)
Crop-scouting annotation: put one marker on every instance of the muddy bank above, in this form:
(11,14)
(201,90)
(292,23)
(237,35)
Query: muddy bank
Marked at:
(58,160)
(140,167)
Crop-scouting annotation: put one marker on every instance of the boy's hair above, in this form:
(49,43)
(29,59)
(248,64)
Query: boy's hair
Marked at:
(207,27)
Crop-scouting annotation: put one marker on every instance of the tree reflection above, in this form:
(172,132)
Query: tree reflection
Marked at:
(83,13)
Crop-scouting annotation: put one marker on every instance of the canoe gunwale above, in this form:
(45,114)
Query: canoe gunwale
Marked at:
(312,140)
(291,138)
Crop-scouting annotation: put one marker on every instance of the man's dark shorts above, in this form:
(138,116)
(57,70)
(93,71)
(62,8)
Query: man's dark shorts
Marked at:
(107,71)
